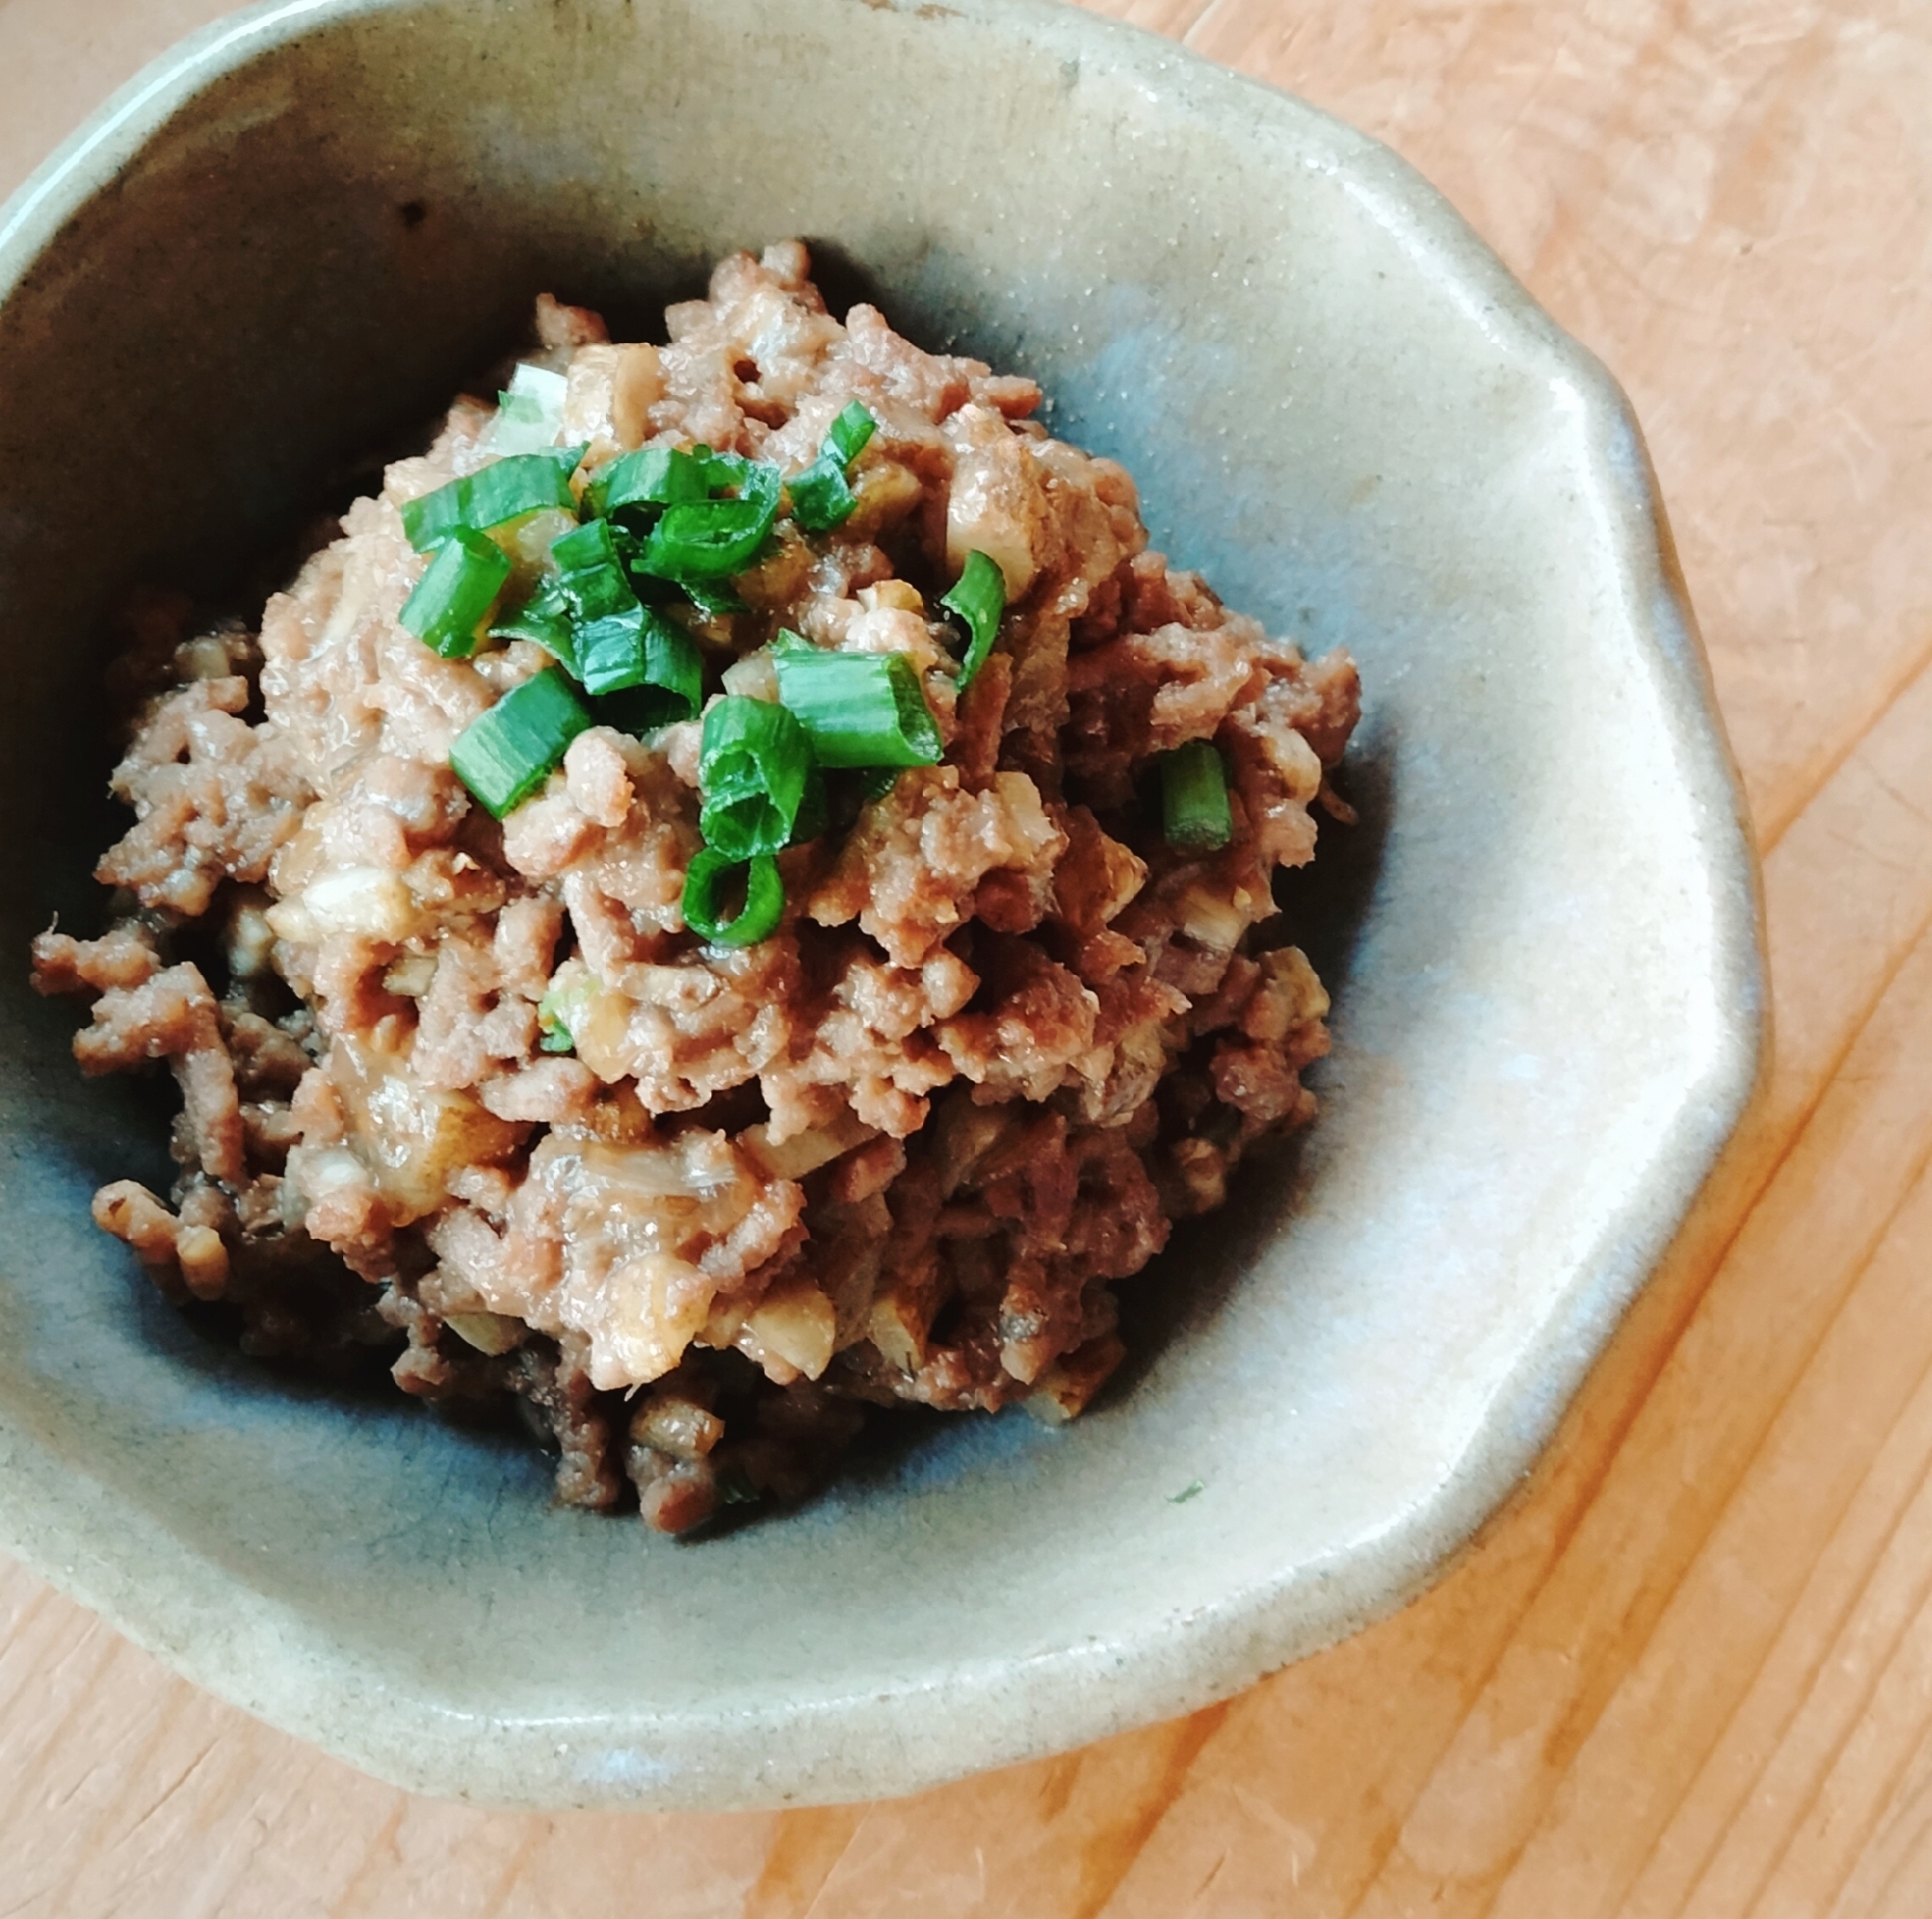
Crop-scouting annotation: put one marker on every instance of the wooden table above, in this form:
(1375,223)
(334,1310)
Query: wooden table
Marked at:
(1688,1670)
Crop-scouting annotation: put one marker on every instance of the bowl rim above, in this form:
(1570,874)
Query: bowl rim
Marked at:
(152,1587)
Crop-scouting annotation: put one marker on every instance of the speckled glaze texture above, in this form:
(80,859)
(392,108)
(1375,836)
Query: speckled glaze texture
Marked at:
(290,240)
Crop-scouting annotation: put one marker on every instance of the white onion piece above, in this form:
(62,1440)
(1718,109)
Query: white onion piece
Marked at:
(366,900)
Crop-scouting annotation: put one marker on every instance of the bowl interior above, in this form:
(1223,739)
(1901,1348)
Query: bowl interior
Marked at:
(1337,408)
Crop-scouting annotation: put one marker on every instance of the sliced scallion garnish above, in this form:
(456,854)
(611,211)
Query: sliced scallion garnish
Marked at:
(722,471)
(559,1006)
(815,816)
(1194,797)
(707,884)
(979,598)
(606,642)
(503,490)
(852,431)
(711,600)
(673,665)
(643,709)
(650,476)
(641,647)
(537,387)
(753,769)
(609,650)
(858,709)
(545,618)
(529,412)
(591,574)
(821,496)
(456,593)
(615,642)
(711,539)
(503,757)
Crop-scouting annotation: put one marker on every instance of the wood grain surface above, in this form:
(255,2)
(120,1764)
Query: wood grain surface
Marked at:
(1688,1670)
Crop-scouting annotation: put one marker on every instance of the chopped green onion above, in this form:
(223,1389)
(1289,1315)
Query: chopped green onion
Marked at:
(721,471)
(637,648)
(642,710)
(711,539)
(651,476)
(545,618)
(880,781)
(736,1488)
(586,546)
(704,887)
(1194,797)
(708,600)
(503,490)
(616,642)
(609,650)
(455,595)
(859,709)
(591,575)
(529,412)
(753,769)
(592,623)
(556,1008)
(849,434)
(606,644)
(822,497)
(815,816)
(506,755)
(979,597)
(538,386)
(673,663)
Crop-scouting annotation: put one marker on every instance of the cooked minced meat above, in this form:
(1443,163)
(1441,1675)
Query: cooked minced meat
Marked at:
(897,1151)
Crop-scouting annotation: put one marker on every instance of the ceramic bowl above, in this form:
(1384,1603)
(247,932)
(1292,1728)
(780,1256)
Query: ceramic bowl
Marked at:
(291,239)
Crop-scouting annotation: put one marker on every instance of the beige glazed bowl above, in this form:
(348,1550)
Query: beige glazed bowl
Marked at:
(298,234)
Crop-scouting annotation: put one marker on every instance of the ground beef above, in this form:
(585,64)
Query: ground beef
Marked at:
(897,1153)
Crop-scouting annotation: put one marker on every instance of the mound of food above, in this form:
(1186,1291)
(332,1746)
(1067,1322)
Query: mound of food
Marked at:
(735,887)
